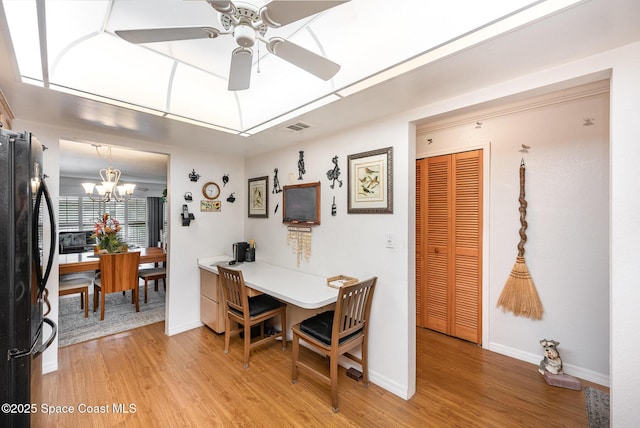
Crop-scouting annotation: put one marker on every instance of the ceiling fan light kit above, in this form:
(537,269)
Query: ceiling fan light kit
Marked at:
(248,23)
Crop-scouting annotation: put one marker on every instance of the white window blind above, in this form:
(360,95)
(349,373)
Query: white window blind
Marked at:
(81,213)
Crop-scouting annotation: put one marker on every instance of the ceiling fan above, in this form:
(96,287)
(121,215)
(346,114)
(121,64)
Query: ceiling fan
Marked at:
(248,23)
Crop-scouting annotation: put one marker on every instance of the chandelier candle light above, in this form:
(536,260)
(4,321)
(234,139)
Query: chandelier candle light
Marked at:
(109,189)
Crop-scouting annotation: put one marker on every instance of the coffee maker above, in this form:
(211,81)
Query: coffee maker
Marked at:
(240,251)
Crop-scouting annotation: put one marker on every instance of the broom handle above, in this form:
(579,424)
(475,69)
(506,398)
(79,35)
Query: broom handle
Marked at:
(523,213)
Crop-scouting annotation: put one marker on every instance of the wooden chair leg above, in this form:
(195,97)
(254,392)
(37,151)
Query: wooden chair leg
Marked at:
(227,334)
(247,343)
(146,284)
(101,306)
(284,329)
(364,361)
(295,349)
(86,302)
(333,374)
(135,293)
(95,298)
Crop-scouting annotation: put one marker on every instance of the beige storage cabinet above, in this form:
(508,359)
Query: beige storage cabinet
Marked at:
(211,301)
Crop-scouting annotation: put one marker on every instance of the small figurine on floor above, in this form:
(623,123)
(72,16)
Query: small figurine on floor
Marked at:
(551,362)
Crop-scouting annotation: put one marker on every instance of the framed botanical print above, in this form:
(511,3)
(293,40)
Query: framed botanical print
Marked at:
(259,197)
(370,178)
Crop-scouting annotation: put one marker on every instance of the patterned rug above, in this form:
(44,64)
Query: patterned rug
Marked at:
(119,315)
(597,407)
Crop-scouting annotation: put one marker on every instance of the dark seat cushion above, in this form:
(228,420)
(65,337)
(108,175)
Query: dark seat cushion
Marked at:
(262,303)
(320,326)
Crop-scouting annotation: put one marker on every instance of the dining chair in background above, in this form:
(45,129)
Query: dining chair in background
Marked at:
(248,311)
(336,332)
(118,272)
(156,274)
(76,284)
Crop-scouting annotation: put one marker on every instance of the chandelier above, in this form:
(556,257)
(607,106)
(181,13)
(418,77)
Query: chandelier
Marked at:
(109,189)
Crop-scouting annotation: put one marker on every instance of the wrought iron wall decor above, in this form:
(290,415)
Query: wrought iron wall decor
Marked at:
(334,173)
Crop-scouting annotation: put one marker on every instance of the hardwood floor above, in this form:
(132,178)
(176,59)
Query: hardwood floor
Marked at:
(187,381)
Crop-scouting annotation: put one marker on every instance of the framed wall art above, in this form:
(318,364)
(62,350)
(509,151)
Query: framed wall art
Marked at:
(259,197)
(370,178)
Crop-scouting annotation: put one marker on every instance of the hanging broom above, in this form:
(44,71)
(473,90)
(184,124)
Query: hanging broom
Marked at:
(519,294)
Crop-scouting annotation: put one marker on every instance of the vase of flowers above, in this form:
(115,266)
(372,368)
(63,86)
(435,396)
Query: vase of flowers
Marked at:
(105,232)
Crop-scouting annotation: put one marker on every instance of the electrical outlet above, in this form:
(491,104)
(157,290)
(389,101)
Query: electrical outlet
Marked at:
(389,241)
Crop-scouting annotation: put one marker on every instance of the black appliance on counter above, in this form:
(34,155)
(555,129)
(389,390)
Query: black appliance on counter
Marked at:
(240,251)
(23,279)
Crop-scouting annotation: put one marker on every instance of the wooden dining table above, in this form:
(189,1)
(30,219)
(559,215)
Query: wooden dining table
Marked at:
(81,262)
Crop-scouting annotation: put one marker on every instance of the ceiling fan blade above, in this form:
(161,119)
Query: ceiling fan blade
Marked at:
(222,6)
(277,13)
(297,55)
(152,35)
(240,71)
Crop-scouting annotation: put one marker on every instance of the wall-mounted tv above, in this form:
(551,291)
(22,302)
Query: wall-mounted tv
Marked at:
(301,203)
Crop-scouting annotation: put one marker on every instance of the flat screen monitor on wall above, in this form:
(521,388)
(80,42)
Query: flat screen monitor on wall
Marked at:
(301,203)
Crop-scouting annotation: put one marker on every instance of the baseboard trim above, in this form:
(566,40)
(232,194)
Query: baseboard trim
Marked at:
(573,370)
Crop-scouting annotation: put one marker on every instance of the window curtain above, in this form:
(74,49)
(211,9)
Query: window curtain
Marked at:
(155,220)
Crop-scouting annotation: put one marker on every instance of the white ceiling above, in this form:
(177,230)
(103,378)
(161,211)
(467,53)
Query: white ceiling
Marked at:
(188,78)
(498,52)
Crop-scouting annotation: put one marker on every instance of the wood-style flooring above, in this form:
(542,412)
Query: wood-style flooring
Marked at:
(143,378)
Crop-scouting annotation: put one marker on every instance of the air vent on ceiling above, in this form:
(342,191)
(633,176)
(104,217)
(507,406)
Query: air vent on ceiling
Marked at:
(298,126)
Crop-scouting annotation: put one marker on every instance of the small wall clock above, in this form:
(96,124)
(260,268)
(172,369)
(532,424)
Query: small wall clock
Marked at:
(211,190)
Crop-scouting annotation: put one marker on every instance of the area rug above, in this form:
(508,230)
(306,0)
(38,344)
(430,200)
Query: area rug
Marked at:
(119,315)
(597,407)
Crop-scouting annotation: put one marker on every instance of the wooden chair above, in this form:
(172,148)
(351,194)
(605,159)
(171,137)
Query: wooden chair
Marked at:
(336,332)
(248,311)
(76,285)
(118,272)
(153,274)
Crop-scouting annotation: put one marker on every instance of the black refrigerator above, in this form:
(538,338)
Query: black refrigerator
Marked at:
(25,212)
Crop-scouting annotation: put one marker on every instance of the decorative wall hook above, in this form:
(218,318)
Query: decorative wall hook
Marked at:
(188,197)
(225,179)
(193,176)
(231,198)
(334,173)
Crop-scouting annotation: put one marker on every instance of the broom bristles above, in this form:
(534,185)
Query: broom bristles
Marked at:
(519,294)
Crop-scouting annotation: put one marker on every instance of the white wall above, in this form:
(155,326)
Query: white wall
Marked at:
(567,247)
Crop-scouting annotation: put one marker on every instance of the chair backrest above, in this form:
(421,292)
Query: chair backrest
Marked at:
(353,308)
(234,290)
(119,271)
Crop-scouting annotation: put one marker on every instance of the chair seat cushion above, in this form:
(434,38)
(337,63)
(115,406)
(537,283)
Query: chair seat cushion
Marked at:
(320,326)
(73,283)
(262,303)
(143,273)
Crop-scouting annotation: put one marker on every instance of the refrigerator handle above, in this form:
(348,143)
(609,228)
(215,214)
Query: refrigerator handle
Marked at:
(35,351)
(54,333)
(43,278)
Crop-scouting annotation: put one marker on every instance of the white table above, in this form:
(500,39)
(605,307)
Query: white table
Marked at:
(301,289)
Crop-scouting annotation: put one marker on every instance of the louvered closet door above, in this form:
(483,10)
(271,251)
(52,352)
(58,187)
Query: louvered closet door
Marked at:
(449,244)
